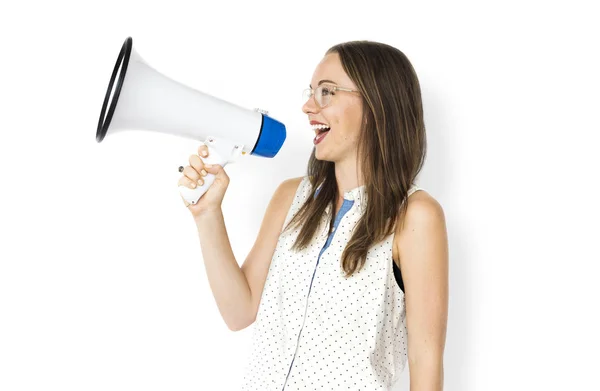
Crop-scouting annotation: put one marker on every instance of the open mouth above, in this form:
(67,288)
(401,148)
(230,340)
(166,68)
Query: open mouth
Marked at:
(318,126)
(321,134)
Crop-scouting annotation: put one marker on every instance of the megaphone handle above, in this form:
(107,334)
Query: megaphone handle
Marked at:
(193,195)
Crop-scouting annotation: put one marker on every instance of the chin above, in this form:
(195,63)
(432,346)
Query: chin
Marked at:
(321,157)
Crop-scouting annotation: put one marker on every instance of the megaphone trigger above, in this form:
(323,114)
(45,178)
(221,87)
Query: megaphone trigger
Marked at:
(235,154)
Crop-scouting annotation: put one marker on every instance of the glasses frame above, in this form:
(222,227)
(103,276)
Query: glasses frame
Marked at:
(332,87)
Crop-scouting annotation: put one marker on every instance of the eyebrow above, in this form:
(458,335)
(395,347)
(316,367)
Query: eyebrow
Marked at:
(323,81)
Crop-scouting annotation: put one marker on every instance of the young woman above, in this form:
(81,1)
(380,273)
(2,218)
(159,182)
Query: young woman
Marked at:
(348,278)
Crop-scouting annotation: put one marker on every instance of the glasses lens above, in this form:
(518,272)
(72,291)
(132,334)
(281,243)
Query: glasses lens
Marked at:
(323,95)
(306,94)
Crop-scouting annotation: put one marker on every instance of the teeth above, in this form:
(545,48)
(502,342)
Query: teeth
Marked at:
(317,127)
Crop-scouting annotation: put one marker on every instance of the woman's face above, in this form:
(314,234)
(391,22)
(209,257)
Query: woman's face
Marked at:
(343,114)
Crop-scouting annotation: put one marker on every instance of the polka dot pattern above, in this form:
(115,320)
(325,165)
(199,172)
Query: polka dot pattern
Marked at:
(318,330)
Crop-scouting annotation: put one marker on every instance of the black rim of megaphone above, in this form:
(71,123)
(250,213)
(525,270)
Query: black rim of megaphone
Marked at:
(122,61)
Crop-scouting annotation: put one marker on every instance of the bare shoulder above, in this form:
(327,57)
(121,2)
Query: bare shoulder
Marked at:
(425,217)
(281,202)
(287,190)
(291,184)
(422,204)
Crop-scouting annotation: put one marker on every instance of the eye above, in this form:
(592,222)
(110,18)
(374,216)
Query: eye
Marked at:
(325,91)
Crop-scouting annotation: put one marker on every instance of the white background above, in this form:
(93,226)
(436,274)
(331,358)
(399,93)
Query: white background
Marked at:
(102,283)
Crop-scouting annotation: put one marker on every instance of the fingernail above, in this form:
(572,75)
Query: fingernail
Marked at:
(203,173)
(204,153)
(200,182)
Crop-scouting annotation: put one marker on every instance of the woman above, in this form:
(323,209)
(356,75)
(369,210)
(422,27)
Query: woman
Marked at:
(341,298)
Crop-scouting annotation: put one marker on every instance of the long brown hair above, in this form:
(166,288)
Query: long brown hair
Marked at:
(392,148)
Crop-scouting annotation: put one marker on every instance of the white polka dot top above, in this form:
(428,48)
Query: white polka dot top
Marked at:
(318,330)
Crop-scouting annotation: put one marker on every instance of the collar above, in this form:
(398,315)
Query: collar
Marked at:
(356,195)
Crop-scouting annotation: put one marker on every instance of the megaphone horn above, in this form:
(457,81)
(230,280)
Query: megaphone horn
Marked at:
(145,99)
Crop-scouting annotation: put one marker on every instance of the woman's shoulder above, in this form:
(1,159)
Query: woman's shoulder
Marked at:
(294,183)
(287,189)
(422,209)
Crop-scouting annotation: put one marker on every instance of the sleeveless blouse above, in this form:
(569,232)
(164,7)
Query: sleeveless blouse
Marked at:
(318,330)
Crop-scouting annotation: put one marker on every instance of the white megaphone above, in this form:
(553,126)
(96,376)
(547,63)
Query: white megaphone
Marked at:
(144,99)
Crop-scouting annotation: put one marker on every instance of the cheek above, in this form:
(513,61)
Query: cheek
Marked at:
(352,122)
(347,122)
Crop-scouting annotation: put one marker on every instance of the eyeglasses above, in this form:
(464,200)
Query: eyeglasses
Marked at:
(322,94)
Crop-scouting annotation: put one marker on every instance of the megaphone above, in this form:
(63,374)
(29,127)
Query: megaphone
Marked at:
(144,99)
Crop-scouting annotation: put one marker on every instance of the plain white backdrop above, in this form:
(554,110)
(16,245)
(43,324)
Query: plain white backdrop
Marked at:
(102,283)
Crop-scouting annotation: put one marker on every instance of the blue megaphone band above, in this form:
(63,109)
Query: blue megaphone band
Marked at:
(271,138)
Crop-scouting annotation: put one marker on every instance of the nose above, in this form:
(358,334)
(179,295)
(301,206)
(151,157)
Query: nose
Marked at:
(310,106)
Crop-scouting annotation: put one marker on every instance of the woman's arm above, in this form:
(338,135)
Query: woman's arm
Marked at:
(423,251)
